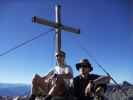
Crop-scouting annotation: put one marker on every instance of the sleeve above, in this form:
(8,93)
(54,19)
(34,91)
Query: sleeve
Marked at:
(68,70)
(94,76)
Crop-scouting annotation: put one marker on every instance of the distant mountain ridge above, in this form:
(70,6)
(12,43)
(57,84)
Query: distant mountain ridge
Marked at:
(114,93)
(7,89)
(125,83)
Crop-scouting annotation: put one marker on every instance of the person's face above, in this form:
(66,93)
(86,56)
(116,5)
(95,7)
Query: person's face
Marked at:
(84,70)
(60,59)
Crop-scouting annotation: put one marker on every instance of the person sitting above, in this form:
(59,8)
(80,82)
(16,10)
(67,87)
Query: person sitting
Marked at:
(55,82)
(84,84)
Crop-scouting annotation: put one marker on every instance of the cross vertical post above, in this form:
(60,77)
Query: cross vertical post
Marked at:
(58,29)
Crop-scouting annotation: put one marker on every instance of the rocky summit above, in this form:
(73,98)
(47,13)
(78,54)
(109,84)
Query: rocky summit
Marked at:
(22,92)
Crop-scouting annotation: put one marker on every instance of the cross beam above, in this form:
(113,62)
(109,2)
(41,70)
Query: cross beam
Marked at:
(57,25)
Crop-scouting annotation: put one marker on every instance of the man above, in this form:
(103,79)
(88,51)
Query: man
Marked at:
(85,83)
(56,82)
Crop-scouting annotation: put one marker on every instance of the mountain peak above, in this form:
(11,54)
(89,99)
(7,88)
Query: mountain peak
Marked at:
(126,83)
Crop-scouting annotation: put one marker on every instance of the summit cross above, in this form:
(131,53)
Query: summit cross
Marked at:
(57,25)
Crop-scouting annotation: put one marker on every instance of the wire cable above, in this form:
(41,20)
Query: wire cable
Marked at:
(25,42)
(53,52)
(99,65)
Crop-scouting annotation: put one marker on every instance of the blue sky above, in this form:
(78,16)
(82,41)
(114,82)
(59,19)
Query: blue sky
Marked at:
(106,33)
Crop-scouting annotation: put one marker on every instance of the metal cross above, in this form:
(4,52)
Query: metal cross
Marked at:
(57,25)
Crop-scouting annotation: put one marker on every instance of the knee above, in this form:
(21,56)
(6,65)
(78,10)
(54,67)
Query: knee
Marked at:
(35,79)
(36,76)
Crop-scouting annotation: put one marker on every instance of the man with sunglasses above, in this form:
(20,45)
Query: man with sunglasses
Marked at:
(63,75)
(54,84)
(85,83)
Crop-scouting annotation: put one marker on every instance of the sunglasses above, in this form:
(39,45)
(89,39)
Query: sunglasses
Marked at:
(59,55)
(84,66)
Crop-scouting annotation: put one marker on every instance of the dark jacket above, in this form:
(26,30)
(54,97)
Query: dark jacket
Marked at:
(80,84)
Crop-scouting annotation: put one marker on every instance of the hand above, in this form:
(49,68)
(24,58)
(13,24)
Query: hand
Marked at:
(89,89)
(55,75)
(50,78)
